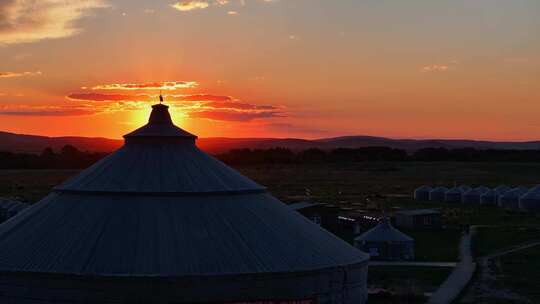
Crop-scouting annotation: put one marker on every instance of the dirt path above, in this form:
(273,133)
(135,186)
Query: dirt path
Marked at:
(460,276)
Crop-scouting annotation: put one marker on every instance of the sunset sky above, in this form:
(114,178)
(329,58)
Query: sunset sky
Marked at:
(269,68)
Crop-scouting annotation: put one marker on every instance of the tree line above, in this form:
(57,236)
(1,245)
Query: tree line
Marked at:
(343,155)
(70,157)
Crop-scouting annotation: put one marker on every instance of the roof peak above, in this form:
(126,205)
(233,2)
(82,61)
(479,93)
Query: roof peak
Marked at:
(160,125)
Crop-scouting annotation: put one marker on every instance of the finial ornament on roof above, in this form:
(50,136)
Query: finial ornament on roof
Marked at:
(160,97)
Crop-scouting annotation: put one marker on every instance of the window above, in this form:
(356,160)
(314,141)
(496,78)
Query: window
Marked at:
(316,219)
(427,221)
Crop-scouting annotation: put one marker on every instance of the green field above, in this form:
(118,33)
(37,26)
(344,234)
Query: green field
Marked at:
(489,240)
(520,272)
(404,284)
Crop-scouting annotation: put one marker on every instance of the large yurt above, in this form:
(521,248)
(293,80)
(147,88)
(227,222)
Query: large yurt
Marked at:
(472,197)
(489,198)
(421,194)
(510,199)
(530,201)
(453,195)
(160,221)
(384,242)
(437,194)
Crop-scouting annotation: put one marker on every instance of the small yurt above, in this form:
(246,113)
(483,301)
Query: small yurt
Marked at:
(384,242)
(473,196)
(489,198)
(453,195)
(502,189)
(437,194)
(530,202)
(510,199)
(421,194)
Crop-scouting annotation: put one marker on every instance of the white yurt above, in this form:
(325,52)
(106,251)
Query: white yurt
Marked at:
(489,198)
(160,221)
(453,195)
(510,199)
(502,189)
(421,194)
(472,196)
(530,201)
(437,194)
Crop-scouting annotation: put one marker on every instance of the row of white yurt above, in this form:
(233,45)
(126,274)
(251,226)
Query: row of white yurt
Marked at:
(518,198)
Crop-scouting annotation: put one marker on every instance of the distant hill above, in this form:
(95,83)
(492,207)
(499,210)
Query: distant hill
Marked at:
(35,144)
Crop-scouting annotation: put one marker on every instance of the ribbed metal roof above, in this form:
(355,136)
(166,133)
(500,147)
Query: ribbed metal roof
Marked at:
(161,207)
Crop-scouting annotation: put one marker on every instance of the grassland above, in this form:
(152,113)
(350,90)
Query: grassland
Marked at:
(380,186)
(404,284)
(489,240)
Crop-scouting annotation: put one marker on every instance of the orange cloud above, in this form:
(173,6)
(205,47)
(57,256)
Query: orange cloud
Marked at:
(109,97)
(145,97)
(23,21)
(161,85)
(18,74)
(185,6)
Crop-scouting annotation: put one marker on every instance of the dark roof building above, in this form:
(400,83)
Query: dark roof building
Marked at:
(419,219)
(161,221)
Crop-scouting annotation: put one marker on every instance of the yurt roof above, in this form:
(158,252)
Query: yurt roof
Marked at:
(502,189)
(455,190)
(384,232)
(161,207)
(491,192)
(439,189)
(516,192)
(424,188)
(532,195)
(482,189)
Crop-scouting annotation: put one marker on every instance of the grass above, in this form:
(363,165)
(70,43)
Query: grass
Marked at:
(519,272)
(436,245)
(31,185)
(489,240)
(407,279)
